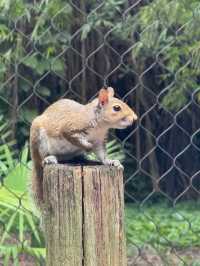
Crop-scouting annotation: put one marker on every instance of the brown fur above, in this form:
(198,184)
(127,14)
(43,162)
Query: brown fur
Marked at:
(68,128)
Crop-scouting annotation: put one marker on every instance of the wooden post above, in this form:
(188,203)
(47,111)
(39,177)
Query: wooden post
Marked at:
(84,216)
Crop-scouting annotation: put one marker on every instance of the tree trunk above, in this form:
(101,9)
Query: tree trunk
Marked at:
(84,212)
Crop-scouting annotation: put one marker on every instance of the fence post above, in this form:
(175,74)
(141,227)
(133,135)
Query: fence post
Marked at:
(84,217)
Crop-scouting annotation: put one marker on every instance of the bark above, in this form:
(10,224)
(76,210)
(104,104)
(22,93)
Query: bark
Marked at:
(83,217)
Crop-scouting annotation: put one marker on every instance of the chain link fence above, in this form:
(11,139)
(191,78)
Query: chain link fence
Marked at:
(149,52)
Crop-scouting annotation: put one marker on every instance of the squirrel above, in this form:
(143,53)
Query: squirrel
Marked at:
(67,129)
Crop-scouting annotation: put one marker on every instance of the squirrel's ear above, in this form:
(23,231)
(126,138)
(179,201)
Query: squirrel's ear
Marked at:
(103,97)
(111,91)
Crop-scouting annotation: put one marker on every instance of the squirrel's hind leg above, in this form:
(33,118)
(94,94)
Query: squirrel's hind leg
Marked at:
(44,151)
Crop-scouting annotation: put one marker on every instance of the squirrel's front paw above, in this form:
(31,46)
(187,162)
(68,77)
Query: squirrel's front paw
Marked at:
(51,159)
(113,163)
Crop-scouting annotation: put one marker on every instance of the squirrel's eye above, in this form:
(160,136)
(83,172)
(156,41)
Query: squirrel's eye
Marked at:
(116,108)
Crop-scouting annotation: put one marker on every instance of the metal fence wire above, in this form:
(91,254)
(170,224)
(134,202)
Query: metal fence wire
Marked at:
(149,52)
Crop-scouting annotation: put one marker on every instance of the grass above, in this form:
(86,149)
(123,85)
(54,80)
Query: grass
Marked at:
(171,235)
(161,225)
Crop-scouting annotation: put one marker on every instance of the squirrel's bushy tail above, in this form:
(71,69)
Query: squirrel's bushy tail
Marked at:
(37,170)
(37,185)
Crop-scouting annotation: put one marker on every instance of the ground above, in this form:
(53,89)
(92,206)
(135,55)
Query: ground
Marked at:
(148,256)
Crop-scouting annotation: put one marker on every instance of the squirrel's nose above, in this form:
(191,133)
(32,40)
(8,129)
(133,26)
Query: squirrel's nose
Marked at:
(134,117)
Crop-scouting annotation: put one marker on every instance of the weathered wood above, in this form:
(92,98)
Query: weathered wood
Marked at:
(84,216)
(63,216)
(104,241)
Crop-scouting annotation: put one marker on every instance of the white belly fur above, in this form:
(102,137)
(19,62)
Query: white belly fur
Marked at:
(60,146)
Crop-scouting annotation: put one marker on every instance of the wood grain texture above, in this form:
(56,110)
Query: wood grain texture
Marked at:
(63,216)
(84,214)
(104,240)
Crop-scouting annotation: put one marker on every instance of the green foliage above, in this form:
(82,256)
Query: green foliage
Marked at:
(10,253)
(5,138)
(35,36)
(29,49)
(16,216)
(20,233)
(168,34)
(196,263)
(161,226)
(17,213)
(114,151)
(16,171)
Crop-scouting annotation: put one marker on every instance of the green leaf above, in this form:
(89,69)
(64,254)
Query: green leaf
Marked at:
(7,256)
(86,28)
(8,227)
(9,159)
(16,178)
(21,227)
(44,91)
(31,61)
(57,65)
(15,256)
(33,227)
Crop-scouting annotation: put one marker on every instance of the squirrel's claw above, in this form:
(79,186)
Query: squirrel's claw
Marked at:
(114,163)
(50,160)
